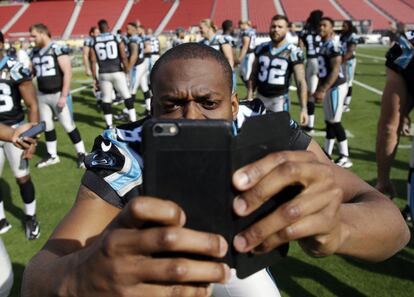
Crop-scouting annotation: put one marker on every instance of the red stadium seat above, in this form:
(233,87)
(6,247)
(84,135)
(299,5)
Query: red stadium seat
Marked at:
(189,13)
(7,12)
(299,10)
(227,9)
(54,14)
(149,12)
(260,14)
(94,10)
(397,9)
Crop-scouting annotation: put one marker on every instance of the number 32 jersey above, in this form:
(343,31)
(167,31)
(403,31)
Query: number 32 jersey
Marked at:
(276,67)
(106,47)
(12,73)
(46,67)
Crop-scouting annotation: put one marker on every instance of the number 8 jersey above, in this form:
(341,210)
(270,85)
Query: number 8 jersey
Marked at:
(12,73)
(276,67)
(46,67)
(330,48)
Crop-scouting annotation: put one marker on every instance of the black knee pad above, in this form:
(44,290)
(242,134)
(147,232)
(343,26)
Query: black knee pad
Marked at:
(50,135)
(311,108)
(106,108)
(27,191)
(349,92)
(147,94)
(330,130)
(339,131)
(129,103)
(75,136)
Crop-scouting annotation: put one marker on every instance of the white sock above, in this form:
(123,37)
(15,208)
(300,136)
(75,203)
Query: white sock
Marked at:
(30,209)
(80,147)
(51,147)
(329,144)
(108,119)
(343,148)
(311,122)
(132,115)
(2,215)
(148,104)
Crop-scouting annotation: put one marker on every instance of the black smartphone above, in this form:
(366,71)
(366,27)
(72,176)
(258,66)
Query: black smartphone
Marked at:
(192,162)
(34,131)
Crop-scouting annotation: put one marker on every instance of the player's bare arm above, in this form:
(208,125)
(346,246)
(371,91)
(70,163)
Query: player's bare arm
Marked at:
(330,80)
(134,55)
(349,52)
(28,94)
(228,53)
(124,58)
(85,56)
(299,73)
(335,213)
(112,255)
(66,67)
(94,68)
(245,47)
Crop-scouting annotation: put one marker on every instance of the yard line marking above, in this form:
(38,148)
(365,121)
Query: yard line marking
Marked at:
(369,88)
(371,57)
(404,146)
(323,134)
(78,89)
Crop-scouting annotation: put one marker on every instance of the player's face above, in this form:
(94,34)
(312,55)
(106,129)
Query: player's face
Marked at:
(37,37)
(325,28)
(131,30)
(96,32)
(278,30)
(193,89)
(204,29)
(345,27)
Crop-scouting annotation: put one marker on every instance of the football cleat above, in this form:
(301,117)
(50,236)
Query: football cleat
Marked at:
(4,226)
(346,108)
(344,162)
(32,228)
(47,161)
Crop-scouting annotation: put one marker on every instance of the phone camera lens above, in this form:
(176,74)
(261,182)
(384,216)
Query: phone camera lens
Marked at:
(158,129)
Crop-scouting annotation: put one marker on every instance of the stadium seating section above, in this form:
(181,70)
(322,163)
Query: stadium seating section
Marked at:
(149,12)
(189,13)
(359,10)
(226,9)
(94,10)
(299,10)
(260,13)
(7,12)
(397,9)
(55,15)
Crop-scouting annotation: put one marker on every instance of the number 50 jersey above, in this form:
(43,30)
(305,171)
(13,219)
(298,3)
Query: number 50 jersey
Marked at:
(106,47)
(46,67)
(276,67)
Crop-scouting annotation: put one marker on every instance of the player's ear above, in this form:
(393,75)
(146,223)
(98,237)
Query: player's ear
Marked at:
(234,105)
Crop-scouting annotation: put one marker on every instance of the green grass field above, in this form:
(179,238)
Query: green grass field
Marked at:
(298,275)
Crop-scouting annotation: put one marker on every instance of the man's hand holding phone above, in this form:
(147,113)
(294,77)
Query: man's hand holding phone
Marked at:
(25,140)
(312,217)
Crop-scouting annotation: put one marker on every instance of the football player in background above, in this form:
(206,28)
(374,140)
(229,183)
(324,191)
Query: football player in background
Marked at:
(275,61)
(310,39)
(396,104)
(246,55)
(349,41)
(52,67)
(15,84)
(332,90)
(109,54)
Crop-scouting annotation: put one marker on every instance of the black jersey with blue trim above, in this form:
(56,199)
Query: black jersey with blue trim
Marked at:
(230,40)
(312,41)
(139,42)
(12,74)
(276,67)
(216,42)
(251,34)
(46,67)
(115,166)
(106,47)
(88,41)
(154,44)
(347,40)
(330,48)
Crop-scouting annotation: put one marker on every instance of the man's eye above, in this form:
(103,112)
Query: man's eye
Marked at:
(210,104)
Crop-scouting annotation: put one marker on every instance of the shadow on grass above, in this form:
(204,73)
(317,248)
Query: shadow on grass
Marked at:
(286,270)
(368,155)
(18,270)
(9,202)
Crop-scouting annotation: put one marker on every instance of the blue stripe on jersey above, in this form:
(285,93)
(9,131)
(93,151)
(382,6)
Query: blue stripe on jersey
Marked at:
(351,65)
(334,100)
(407,55)
(286,104)
(133,76)
(134,173)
